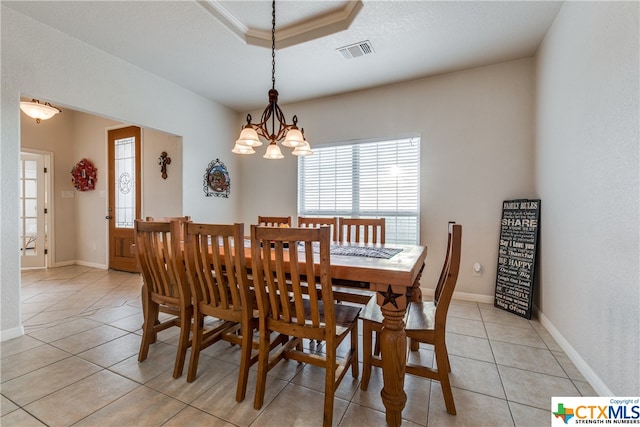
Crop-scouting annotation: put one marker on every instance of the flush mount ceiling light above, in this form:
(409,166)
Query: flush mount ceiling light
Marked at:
(272,117)
(39,111)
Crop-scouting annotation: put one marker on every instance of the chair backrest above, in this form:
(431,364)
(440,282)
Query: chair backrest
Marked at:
(307,221)
(282,269)
(274,221)
(445,264)
(442,304)
(161,261)
(361,230)
(216,270)
(186,218)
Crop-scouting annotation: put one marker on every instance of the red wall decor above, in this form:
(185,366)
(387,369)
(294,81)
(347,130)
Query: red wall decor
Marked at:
(84,175)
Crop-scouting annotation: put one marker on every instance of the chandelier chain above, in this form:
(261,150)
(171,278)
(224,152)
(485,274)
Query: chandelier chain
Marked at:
(273,45)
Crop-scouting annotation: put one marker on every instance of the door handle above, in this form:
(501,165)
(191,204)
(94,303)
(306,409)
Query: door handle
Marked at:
(108,217)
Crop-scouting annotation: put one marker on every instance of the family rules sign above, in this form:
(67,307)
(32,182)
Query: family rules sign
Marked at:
(517,250)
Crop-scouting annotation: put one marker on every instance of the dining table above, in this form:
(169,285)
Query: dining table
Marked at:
(393,272)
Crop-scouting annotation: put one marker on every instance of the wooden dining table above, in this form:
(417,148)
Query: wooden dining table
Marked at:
(396,281)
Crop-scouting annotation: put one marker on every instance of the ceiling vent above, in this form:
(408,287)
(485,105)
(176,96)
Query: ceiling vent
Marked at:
(356,50)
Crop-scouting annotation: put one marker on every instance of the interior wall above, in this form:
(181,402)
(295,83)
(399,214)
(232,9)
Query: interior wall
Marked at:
(161,197)
(476,151)
(587,176)
(40,62)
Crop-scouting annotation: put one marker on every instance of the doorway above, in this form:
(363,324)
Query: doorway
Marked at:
(34,209)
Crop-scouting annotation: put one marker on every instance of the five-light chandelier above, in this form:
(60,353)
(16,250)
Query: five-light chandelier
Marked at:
(272,117)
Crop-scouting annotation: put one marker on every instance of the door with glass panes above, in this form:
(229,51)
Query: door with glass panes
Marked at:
(124,196)
(32,211)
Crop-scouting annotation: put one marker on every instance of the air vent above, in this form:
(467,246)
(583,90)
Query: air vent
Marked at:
(356,50)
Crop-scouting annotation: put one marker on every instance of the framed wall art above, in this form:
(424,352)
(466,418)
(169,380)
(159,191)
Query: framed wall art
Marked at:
(216,180)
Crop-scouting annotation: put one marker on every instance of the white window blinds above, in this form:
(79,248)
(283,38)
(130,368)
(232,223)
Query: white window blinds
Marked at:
(365,180)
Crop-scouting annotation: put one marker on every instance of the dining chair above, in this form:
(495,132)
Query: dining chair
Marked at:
(308,221)
(282,261)
(165,285)
(361,230)
(216,270)
(186,218)
(274,221)
(425,322)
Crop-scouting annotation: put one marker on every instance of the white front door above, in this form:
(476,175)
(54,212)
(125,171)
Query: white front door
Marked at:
(33,233)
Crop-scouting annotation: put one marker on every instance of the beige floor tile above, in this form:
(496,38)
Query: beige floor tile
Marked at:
(6,406)
(527,416)
(130,323)
(53,317)
(74,402)
(465,310)
(20,418)
(313,377)
(585,388)
(475,375)
(473,410)
(88,339)
(358,416)
(37,384)
(18,345)
(191,416)
(140,407)
(298,406)
(568,366)
(502,317)
(112,314)
(514,335)
(474,328)
(470,347)
(534,389)
(220,400)
(114,351)
(210,373)
(161,357)
(548,339)
(65,329)
(524,357)
(28,361)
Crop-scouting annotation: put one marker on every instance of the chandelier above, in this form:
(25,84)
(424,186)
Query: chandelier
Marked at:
(273,126)
(39,111)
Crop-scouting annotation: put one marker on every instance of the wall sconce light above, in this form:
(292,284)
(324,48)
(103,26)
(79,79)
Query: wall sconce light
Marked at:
(39,111)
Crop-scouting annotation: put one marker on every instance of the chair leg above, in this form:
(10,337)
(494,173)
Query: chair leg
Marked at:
(376,350)
(443,376)
(198,330)
(355,366)
(263,361)
(148,333)
(366,354)
(183,344)
(245,362)
(329,385)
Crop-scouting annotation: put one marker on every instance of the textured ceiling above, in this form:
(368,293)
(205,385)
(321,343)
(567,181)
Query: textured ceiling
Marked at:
(186,43)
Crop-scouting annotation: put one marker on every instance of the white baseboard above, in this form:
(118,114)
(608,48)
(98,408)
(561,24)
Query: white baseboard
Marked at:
(91,264)
(9,334)
(594,380)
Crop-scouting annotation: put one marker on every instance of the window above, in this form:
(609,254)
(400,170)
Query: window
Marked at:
(365,180)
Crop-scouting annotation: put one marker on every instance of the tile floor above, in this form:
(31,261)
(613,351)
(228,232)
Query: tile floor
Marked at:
(77,365)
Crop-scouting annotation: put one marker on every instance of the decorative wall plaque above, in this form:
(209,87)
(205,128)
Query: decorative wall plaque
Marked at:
(216,180)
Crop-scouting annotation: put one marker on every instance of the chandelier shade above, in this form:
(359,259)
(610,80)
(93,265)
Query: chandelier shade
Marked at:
(39,111)
(273,126)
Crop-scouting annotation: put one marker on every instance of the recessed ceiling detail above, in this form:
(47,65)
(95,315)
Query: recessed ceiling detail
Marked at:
(355,50)
(302,31)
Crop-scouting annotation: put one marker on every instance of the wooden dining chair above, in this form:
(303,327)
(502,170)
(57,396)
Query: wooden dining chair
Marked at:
(274,221)
(185,218)
(215,263)
(361,230)
(308,221)
(425,322)
(282,261)
(165,286)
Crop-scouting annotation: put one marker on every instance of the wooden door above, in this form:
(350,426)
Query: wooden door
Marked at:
(124,196)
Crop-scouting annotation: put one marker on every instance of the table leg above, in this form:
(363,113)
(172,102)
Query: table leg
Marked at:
(393,347)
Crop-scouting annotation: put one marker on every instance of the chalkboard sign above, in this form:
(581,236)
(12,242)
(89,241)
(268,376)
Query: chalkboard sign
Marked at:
(519,229)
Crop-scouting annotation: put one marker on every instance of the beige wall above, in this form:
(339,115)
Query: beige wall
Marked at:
(477,150)
(587,176)
(161,197)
